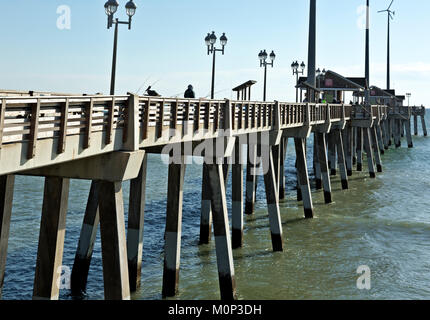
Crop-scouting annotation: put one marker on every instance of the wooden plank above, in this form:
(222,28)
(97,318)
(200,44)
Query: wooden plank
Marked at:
(33,130)
(63,127)
(111,116)
(88,123)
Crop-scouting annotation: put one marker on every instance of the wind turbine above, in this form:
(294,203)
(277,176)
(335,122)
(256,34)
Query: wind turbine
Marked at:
(390,15)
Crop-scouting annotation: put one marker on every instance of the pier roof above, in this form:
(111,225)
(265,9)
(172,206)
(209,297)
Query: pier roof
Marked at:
(245,85)
(333,81)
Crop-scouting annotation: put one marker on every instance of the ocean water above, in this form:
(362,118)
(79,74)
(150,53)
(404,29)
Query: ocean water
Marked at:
(383,223)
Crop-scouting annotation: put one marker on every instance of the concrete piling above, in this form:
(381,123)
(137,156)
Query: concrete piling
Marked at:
(337,136)
(283,153)
(51,239)
(114,246)
(6,196)
(423,124)
(376,149)
(360,149)
(81,265)
(317,164)
(221,232)
(136,213)
(251,178)
(322,159)
(206,211)
(272,200)
(303,178)
(408,133)
(331,153)
(237,197)
(172,247)
(369,151)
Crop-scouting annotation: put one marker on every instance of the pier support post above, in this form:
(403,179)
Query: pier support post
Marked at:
(303,178)
(51,239)
(376,148)
(237,197)
(380,138)
(390,132)
(6,196)
(87,238)
(408,133)
(397,140)
(272,199)
(136,213)
(341,158)
(331,153)
(423,124)
(251,178)
(415,125)
(114,247)
(172,249)
(347,137)
(317,164)
(322,159)
(360,149)
(206,211)
(369,152)
(283,153)
(221,232)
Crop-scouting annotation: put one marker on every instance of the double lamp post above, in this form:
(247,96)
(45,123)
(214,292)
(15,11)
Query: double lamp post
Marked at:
(111,7)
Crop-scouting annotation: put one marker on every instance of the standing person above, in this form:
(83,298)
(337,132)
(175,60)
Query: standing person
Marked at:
(189,93)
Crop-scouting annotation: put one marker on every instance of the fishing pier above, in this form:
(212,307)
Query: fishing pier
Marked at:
(106,139)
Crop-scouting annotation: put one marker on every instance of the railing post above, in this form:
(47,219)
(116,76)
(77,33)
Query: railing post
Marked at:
(131,130)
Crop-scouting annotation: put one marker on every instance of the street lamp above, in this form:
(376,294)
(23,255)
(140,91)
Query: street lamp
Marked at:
(111,7)
(408,95)
(263,63)
(296,71)
(319,74)
(210,41)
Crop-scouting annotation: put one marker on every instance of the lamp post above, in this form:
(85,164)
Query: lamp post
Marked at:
(408,95)
(111,7)
(263,63)
(319,74)
(295,67)
(210,41)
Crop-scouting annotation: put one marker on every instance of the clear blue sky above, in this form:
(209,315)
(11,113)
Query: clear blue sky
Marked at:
(166,44)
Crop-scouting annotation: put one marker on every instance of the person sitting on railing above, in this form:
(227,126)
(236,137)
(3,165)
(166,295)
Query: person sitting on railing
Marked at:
(189,93)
